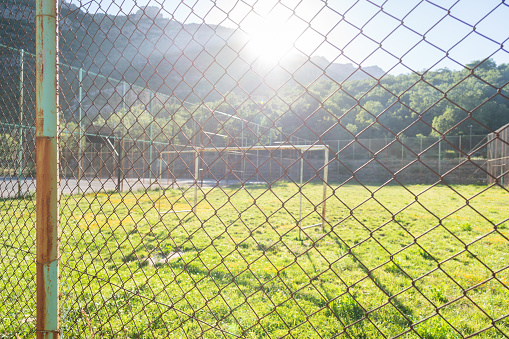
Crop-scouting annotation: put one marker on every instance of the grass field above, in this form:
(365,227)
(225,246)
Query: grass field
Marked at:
(417,261)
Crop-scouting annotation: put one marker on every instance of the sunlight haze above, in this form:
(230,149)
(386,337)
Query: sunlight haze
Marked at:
(396,35)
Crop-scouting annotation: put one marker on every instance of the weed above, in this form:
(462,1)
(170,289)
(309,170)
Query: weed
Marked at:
(244,244)
(393,267)
(467,227)
(132,231)
(268,246)
(348,311)
(425,254)
(130,257)
(437,328)
(438,295)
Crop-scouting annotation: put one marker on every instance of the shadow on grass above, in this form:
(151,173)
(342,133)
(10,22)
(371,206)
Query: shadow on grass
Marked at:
(346,309)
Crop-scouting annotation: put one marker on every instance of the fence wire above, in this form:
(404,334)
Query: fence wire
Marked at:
(17,166)
(264,169)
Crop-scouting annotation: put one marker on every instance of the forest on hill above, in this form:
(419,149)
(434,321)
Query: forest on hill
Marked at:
(428,104)
(434,103)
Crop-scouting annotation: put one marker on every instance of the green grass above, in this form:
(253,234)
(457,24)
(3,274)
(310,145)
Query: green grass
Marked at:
(391,260)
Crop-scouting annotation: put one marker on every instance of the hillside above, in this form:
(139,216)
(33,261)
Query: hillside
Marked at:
(150,50)
(168,56)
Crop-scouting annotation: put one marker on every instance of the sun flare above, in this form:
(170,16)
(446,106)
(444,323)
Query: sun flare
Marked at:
(270,40)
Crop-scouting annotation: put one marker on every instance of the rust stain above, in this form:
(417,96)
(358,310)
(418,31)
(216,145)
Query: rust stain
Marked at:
(41,298)
(47,228)
(47,199)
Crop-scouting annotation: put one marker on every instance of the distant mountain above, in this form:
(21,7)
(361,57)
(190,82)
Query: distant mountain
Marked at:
(145,48)
(206,60)
(17,24)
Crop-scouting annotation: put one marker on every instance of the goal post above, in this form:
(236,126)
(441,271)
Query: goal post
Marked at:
(169,167)
(325,178)
(198,152)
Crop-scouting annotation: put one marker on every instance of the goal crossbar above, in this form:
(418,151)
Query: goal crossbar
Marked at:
(303,148)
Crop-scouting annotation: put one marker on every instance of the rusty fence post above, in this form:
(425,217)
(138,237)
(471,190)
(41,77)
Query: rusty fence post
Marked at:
(20,124)
(47,168)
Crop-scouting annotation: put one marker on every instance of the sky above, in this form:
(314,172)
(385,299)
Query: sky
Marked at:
(396,35)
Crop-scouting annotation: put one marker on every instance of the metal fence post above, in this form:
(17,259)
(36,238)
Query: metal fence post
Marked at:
(80,136)
(353,155)
(300,187)
(47,168)
(281,154)
(20,122)
(420,163)
(257,153)
(387,156)
(299,222)
(440,157)
(121,176)
(337,156)
(173,178)
(151,136)
(271,156)
(243,164)
(325,178)
(196,175)
(459,159)
(402,155)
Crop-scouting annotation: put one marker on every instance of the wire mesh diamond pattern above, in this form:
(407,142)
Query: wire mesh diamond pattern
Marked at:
(264,169)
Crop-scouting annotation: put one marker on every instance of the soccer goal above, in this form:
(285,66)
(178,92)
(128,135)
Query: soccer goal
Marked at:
(184,170)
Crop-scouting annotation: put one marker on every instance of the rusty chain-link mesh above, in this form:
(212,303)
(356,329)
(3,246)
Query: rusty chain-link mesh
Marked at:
(17,172)
(265,169)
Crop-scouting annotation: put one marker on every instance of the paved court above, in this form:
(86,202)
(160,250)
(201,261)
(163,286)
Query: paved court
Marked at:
(10,186)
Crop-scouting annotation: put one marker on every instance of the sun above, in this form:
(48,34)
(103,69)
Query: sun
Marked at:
(270,39)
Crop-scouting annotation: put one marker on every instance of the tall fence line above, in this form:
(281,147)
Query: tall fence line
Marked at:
(105,146)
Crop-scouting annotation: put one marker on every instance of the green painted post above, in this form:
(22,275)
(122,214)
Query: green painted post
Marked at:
(173,178)
(257,154)
(459,160)
(402,156)
(243,164)
(325,179)
(387,156)
(20,122)
(80,130)
(151,139)
(47,325)
(440,157)
(370,156)
(353,155)
(339,169)
(420,162)
(271,156)
(281,154)
(299,222)
(120,178)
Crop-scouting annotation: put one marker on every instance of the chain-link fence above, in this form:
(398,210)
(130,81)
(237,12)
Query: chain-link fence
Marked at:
(256,169)
(17,163)
(497,156)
